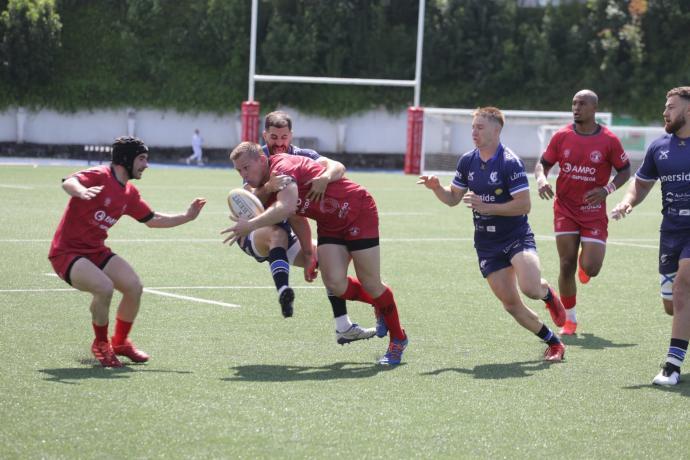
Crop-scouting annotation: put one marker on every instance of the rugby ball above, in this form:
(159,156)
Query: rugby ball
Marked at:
(244,203)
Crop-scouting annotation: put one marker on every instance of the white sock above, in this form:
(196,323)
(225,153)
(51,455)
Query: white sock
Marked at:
(570,315)
(343,323)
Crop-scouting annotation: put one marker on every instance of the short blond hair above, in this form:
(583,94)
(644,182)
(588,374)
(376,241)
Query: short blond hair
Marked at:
(251,149)
(490,113)
(681,91)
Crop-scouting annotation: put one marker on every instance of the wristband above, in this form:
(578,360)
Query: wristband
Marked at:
(610,188)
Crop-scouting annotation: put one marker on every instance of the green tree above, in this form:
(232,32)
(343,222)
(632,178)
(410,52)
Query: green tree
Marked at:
(30,40)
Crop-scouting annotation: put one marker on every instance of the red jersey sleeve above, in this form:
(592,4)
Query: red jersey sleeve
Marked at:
(552,153)
(137,207)
(618,157)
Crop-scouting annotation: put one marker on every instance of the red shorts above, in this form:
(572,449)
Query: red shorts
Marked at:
(62,264)
(364,226)
(590,226)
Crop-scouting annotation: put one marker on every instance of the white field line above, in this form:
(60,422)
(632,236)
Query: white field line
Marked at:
(182,288)
(193,299)
(19,187)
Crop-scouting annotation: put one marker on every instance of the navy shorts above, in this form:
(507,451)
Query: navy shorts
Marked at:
(247,244)
(673,246)
(499,258)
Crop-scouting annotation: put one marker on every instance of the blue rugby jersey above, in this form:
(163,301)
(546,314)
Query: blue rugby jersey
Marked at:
(668,160)
(495,181)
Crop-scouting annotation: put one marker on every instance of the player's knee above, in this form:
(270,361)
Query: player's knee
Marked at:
(591,270)
(533,290)
(134,288)
(334,285)
(568,266)
(104,290)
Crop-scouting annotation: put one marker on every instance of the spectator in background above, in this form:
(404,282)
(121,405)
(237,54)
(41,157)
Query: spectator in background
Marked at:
(197,152)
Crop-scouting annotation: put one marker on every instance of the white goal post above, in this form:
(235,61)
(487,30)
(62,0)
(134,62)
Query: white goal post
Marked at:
(447,134)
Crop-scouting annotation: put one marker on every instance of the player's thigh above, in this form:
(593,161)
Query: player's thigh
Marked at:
(333,262)
(367,264)
(568,246)
(504,286)
(528,272)
(86,276)
(261,240)
(593,254)
(123,275)
(681,283)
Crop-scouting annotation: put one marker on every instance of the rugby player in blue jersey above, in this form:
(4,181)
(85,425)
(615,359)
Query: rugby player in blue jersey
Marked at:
(668,160)
(491,180)
(280,246)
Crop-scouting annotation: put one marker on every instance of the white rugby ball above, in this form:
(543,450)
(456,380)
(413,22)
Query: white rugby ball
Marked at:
(244,203)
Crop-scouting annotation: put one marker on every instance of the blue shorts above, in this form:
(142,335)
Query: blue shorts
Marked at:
(673,246)
(499,258)
(247,245)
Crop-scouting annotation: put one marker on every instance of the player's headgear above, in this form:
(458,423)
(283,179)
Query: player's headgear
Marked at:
(125,150)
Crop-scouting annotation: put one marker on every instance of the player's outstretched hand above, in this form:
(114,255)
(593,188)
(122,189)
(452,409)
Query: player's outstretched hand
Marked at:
(621,210)
(318,187)
(430,182)
(91,192)
(240,229)
(195,208)
(545,190)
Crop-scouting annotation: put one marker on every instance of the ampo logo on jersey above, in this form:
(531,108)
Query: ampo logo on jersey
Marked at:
(581,169)
(101,216)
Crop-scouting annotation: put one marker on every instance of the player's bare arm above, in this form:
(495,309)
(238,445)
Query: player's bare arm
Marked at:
(300,225)
(636,193)
(334,171)
(161,220)
(284,207)
(74,188)
(449,195)
(598,194)
(518,206)
(541,171)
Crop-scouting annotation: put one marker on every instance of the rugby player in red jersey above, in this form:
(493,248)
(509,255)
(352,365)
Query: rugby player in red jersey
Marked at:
(78,254)
(347,229)
(586,152)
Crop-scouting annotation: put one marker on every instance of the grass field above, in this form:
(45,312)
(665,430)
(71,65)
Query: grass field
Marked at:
(242,382)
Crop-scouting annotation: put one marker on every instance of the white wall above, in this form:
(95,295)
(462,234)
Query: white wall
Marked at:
(376,131)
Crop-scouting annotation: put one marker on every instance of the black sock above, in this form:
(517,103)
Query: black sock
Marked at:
(280,268)
(548,336)
(337,304)
(676,354)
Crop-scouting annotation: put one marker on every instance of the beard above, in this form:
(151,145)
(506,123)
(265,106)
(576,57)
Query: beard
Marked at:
(673,126)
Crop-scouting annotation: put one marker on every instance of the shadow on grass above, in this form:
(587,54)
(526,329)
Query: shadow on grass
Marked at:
(589,341)
(276,373)
(683,388)
(499,371)
(72,375)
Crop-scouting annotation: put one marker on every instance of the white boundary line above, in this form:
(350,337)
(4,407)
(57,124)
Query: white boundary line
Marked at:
(193,299)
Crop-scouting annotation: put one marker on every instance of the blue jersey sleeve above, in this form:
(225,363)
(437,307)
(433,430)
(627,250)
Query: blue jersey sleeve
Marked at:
(648,170)
(461,172)
(309,153)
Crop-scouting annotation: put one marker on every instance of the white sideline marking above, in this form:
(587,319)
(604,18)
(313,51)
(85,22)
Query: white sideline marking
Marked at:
(20,187)
(193,299)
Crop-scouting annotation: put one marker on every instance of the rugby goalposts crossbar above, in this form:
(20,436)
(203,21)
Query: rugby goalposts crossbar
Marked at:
(251,108)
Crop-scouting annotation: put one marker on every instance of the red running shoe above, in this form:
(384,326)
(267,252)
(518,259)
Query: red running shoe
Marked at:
(555,352)
(128,349)
(569,328)
(103,352)
(555,307)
